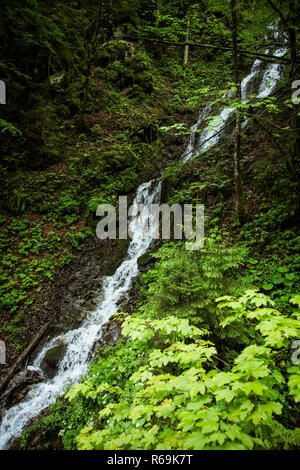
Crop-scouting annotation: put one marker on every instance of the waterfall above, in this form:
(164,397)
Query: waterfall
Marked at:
(80,342)
(212,133)
(193,132)
(271,76)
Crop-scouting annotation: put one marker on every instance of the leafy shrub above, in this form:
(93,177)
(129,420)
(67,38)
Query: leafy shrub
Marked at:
(179,399)
(17,202)
(185,283)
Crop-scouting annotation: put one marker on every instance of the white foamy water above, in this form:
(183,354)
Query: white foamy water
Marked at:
(271,76)
(212,133)
(80,342)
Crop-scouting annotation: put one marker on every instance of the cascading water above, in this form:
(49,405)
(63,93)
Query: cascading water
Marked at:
(193,132)
(211,134)
(271,76)
(79,343)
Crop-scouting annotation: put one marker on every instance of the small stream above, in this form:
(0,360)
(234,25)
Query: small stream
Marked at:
(80,342)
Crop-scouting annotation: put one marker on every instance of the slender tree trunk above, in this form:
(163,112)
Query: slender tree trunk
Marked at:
(187,36)
(239,192)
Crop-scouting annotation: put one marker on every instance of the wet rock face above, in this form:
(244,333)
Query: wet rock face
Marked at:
(79,289)
(18,387)
(145,259)
(53,357)
(83,290)
(111,332)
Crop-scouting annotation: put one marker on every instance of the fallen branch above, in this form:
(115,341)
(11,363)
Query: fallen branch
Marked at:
(210,46)
(24,355)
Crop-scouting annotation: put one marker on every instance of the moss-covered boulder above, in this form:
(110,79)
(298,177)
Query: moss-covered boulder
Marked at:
(53,357)
(145,259)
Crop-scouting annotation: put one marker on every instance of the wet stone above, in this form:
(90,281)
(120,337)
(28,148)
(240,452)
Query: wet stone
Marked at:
(52,358)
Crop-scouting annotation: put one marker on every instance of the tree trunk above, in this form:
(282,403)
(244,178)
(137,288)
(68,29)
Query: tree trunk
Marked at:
(187,36)
(239,192)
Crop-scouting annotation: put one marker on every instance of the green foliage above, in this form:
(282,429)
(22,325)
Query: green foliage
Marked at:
(184,283)
(18,202)
(276,263)
(8,127)
(114,367)
(276,329)
(91,102)
(179,399)
(126,68)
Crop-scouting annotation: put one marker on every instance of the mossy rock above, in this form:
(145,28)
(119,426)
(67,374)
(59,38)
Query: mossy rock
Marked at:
(52,358)
(145,259)
(122,246)
(119,74)
(140,62)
